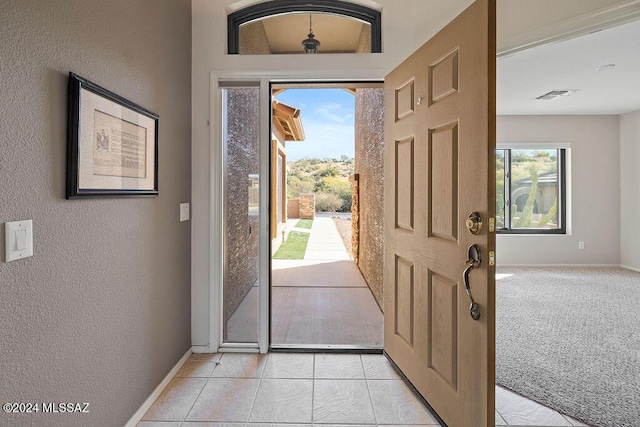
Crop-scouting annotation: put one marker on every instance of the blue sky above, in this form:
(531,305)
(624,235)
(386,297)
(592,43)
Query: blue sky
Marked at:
(328,122)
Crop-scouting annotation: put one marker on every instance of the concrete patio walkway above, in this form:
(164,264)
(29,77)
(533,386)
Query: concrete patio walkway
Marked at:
(321,300)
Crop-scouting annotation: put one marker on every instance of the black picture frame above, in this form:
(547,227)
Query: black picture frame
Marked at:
(112,144)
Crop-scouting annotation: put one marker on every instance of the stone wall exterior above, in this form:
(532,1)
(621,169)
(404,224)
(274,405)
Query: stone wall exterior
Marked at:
(241,222)
(355,217)
(369,165)
(307,206)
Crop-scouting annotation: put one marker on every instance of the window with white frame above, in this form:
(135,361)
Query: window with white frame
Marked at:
(531,189)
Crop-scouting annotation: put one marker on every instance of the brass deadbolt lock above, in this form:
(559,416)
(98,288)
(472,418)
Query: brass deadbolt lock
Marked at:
(474,223)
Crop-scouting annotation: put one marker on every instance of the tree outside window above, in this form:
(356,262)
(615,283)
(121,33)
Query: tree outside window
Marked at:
(530,190)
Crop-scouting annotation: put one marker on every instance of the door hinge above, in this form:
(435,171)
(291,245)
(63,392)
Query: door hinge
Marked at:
(492,225)
(492,258)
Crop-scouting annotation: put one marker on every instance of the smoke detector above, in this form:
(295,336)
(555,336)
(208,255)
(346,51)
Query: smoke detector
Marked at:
(557,93)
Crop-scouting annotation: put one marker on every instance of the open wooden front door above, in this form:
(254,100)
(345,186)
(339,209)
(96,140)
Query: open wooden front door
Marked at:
(439,168)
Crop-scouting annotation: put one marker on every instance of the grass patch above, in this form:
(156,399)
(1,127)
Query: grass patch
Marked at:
(304,223)
(294,247)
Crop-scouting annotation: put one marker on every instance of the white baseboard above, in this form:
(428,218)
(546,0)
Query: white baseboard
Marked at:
(137,417)
(628,267)
(197,349)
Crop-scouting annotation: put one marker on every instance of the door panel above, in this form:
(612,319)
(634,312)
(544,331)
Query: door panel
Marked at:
(440,164)
(241,162)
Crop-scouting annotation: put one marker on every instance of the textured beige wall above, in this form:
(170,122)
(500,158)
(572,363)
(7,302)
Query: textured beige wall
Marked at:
(101,313)
(629,184)
(369,164)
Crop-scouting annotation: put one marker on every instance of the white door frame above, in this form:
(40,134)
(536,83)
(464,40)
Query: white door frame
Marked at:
(216,240)
(216,247)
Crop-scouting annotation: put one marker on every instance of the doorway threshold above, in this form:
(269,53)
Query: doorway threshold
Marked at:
(325,348)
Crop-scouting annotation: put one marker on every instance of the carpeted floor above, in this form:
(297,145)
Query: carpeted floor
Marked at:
(569,338)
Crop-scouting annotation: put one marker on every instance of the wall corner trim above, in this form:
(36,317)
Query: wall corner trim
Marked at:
(628,267)
(137,416)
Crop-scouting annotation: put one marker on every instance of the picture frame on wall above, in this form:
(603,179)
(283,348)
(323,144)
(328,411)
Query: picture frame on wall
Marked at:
(112,145)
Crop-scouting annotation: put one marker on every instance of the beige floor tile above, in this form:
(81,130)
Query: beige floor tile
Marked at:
(207,357)
(176,400)
(395,403)
(342,401)
(225,399)
(240,365)
(159,424)
(378,367)
(518,411)
(289,365)
(283,401)
(206,424)
(499,420)
(276,425)
(338,366)
(575,422)
(196,368)
(344,425)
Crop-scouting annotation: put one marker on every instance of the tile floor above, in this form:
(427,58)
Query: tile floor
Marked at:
(303,389)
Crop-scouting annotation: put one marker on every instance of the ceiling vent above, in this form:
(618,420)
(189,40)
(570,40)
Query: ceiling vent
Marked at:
(557,93)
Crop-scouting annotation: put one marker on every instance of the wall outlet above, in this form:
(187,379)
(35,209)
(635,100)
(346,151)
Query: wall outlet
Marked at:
(580,245)
(184,212)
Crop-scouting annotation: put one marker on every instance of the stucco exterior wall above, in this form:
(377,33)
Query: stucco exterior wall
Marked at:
(101,312)
(253,39)
(369,165)
(364,41)
(241,270)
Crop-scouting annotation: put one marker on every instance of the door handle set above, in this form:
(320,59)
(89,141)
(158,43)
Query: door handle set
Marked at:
(474,259)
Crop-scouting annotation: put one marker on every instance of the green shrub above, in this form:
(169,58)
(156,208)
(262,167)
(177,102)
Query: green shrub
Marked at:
(327,202)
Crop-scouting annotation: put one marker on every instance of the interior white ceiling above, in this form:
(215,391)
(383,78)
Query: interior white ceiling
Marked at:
(571,64)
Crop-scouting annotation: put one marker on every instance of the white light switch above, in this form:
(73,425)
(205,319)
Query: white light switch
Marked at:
(21,240)
(18,240)
(184,212)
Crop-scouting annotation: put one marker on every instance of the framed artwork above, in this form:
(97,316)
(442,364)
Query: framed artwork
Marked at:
(112,146)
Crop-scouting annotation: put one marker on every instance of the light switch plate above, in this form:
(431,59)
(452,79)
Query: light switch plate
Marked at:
(184,212)
(18,236)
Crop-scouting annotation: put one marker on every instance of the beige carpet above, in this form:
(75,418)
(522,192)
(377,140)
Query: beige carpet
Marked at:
(569,338)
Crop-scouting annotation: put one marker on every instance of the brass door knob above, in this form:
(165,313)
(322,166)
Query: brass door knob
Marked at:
(474,223)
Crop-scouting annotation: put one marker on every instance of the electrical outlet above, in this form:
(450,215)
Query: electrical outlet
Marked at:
(580,245)
(184,212)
